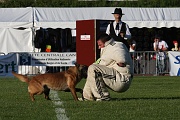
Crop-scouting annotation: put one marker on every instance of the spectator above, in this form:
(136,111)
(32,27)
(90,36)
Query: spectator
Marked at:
(132,45)
(176,48)
(160,46)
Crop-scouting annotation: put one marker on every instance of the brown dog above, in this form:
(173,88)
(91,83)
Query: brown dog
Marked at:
(62,81)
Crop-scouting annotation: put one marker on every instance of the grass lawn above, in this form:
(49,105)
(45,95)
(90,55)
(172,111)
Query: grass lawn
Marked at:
(149,98)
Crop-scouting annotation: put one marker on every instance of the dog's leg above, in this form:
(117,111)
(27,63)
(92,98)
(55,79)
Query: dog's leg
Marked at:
(32,96)
(73,91)
(80,91)
(46,92)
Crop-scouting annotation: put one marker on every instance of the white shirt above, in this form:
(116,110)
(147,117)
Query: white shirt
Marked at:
(161,44)
(128,33)
(134,45)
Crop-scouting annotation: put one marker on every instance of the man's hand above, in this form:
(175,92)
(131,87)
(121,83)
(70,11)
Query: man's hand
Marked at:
(121,64)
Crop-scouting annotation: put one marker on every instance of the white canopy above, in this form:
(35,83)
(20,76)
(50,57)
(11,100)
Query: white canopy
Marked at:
(16,40)
(16,17)
(135,17)
(67,17)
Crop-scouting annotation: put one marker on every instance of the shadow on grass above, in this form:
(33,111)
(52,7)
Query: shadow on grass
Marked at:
(145,98)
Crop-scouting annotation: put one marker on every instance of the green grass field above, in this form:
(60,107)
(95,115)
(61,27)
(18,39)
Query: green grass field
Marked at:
(149,98)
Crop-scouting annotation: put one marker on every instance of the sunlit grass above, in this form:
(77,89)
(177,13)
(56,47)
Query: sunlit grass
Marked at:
(149,98)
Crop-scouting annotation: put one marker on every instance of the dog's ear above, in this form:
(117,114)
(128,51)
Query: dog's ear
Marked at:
(77,65)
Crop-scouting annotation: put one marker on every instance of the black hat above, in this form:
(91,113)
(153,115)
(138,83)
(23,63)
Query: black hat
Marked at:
(118,11)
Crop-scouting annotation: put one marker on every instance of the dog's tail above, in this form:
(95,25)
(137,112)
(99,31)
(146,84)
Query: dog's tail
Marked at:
(22,78)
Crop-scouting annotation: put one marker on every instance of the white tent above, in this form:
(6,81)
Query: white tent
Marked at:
(16,17)
(16,40)
(11,38)
(135,17)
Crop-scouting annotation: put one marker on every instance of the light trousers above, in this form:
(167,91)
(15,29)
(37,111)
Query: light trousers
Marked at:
(100,78)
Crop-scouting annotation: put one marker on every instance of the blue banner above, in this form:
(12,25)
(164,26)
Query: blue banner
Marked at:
(174,63)
(8,63)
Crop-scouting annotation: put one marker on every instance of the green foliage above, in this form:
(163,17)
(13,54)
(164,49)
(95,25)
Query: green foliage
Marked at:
(97,3)
(17,3)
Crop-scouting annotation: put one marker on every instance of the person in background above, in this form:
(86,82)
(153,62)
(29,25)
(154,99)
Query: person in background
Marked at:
(132,44)
(160,46)
(176,46)
(132,48)
(114,70)
(119,30)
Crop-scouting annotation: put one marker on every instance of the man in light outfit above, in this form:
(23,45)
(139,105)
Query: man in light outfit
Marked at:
(112,70)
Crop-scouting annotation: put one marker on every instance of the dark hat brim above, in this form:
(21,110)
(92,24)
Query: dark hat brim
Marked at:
(118,13)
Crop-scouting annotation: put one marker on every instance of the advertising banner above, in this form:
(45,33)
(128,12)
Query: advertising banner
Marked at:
(47,59)
(8,63)
(174,63)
